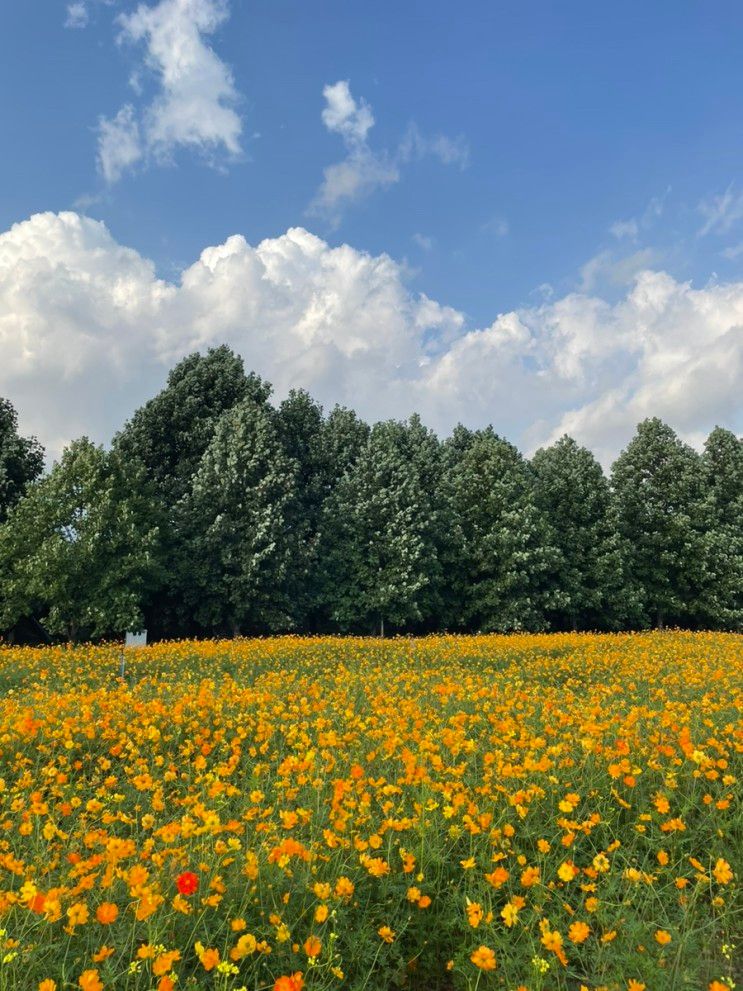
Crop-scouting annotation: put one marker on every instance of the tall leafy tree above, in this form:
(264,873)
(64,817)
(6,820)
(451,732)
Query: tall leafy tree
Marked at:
(663,519)
(301,430)
(21,459)
(509,560)
(167,438)
(79,550)
(722,605)
(242,523)
(572,491)
(171,432)
(379,554)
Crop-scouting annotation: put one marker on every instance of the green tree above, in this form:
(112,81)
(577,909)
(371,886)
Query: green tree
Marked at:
(663,520)
(171,432)
(722,462)
(508,560)
(241,519)
(79,550)
(21,459)
(344,437)
(378,555)
(167,438)
(301,430)
(572,491)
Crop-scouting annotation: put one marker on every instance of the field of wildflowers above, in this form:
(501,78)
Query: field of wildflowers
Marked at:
(521,812)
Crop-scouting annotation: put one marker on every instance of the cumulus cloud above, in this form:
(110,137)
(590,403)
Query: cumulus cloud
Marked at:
(364,170)
(195,105)
(88,331)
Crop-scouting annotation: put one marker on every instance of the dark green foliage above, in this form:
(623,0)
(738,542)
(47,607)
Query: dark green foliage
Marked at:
(379,550)
(167,439)
(21,459)
(242,524)
(170,433)
(572,491)
(80,549)
(663,519)
(722,461)
(217,513)
(509,560)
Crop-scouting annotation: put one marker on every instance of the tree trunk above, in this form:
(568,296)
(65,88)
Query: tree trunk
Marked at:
(659,620)
(381,626)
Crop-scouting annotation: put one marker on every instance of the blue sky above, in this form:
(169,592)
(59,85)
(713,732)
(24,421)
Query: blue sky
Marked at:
(521,156)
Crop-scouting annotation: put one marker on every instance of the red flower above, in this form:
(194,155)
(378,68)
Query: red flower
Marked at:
(187,883)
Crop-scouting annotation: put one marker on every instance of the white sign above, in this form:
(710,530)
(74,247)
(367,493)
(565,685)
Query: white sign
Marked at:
(135,639)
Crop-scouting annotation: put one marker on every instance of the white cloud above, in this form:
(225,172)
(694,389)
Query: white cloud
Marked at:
(195,104)
(721,212)
(632,227)
(733,251)
(498,226)
(625,228)
(77,15)
(363,170)
(424,242)
(344,116)
(119,144)
(449,151)
(88,331)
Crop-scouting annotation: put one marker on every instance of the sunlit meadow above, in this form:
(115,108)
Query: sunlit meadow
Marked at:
(521,812)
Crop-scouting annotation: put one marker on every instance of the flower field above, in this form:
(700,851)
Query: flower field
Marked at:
(518,812)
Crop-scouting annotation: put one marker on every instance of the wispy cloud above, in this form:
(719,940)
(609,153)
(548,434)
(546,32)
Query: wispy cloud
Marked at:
(195,104)
(119,144)
(364,170)
(77,15)
(424,243)
(497,225)
(631,228)
(721,212)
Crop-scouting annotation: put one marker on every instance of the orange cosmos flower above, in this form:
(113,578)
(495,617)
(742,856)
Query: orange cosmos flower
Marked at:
(106,913)
(498,877)
(723,872)
(209,958)
(312,946)
(579,932)
(293,982)
(344,888)
(530,877)
(662,937)
(89,980)
(386,934)
(484,958)
(474,914)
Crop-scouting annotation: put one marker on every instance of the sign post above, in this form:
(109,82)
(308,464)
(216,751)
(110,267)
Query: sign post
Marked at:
(132,639)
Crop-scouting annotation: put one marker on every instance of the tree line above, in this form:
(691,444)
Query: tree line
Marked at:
(214,512)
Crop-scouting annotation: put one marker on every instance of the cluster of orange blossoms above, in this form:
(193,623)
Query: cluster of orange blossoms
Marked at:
(520,812)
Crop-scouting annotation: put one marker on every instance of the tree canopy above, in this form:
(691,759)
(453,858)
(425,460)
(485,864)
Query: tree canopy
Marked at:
(217,512)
